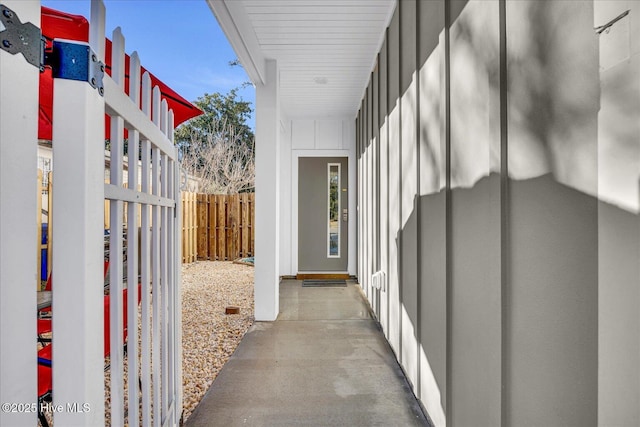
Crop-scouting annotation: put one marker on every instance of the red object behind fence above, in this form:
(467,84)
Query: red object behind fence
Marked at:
(57,24)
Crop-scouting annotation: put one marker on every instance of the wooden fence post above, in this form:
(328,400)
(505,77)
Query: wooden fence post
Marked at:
(252,221)
(202,209)
(194,202)
(40,246)
(49,224)
(211,226)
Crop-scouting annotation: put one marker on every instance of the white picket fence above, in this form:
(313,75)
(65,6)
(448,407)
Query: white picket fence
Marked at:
(154,380)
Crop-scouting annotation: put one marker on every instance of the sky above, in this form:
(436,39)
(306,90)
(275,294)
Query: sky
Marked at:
(179,41)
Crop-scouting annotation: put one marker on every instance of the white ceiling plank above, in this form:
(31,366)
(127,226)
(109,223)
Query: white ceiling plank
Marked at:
(258,24)
(304,17)
(315,9)
(336,40)
(347,30)
(292,3)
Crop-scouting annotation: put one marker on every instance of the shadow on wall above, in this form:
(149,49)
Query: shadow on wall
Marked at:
(553,86)
(552,349)
(573,163)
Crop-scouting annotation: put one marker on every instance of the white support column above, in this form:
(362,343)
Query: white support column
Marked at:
(18,210)
(267,237)
(78,150)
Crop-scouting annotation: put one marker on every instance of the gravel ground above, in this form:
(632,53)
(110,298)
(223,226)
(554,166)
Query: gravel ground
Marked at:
(209,336)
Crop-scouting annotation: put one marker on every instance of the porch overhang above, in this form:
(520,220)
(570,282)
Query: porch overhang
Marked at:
(310,61)
(325,51)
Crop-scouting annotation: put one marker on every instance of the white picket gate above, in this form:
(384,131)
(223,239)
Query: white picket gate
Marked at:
(154,380)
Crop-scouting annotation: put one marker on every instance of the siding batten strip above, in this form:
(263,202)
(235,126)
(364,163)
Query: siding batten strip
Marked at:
(448,216)
(418,213)
(504,223)
(400,175)
(387,178)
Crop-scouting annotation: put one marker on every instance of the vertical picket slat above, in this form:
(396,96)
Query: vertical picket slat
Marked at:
(115,245)
(206,224)
(177,302)
(231,226)
(170,285)
(211,226)
(177,316)
(253,226)
(185,205)
(164,224)
(194,218)
(250,222)
(203,227)
(155,263)
(242,226)
(245,226)
(202,233)
(228,227)
(185,228)
(18,164)
(145,261)
(173,194)
(132,254)
(194,228)
(221,228)
(182,227)
(235,218)
(78,149)
(231,219)
(189,214)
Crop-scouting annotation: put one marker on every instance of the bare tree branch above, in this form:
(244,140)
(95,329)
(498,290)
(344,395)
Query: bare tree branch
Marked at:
(221,161)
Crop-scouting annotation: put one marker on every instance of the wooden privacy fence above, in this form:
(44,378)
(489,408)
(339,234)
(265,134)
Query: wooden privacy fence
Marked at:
(218,227)
(44,210)
(189,228)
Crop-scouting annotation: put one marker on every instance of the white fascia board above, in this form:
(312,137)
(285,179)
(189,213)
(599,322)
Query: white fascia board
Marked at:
(235,23)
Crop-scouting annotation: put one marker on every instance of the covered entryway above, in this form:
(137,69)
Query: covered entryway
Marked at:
(309,84)
(323,215)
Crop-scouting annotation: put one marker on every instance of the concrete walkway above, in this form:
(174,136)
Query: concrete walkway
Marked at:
(324,362)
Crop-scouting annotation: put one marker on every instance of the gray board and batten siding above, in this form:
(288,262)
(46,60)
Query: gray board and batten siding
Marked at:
(497,153)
